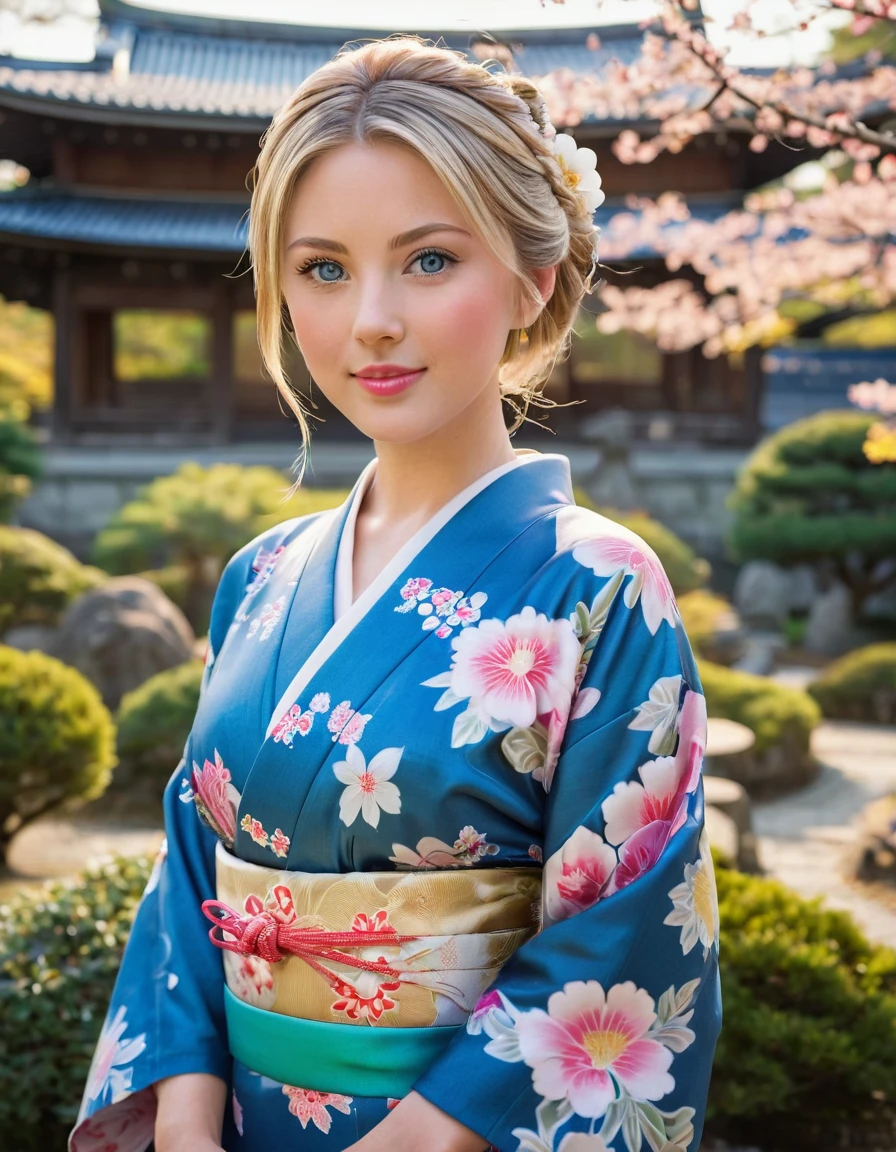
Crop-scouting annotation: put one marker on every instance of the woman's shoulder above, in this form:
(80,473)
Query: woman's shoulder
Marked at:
(268,543)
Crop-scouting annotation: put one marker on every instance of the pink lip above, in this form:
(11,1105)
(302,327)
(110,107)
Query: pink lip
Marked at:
(381,384)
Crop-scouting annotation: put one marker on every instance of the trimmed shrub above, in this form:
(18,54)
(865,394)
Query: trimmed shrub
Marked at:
(197,518)
(154,722)
(860,685)
(38,578)
(712,625)
(808,494)
(807,1054)
(60,950)
(20,462)
(781,718)
(57,739)
(685,569)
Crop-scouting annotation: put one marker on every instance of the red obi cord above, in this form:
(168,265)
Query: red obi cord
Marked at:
(262,934)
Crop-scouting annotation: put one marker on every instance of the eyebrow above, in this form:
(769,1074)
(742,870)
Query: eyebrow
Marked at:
(399,241)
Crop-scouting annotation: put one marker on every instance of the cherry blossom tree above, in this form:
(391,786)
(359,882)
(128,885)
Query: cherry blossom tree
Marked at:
(734,279)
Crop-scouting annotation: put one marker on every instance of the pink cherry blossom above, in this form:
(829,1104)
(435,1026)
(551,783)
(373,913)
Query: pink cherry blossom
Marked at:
(577,875)
(251,979)
(216,798)
(255,829)
(304,722)
(514,670)
(610,554)
(307,1105)
(588,1042)
(320,702)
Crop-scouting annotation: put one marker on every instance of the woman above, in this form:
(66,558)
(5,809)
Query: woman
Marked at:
(412,701)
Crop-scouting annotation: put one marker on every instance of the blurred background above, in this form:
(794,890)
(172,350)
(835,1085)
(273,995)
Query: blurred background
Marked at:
(730,394)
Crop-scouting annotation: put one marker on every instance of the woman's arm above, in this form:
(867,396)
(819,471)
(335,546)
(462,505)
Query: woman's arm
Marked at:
(190,1113)
(404,1129)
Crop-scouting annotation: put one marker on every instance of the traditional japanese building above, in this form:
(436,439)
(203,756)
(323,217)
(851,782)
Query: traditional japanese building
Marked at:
(136,206)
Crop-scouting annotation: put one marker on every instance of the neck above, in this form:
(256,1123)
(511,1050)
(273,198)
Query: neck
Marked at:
(413,481)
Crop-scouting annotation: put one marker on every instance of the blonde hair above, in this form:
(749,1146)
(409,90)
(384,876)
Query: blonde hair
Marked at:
(481,133)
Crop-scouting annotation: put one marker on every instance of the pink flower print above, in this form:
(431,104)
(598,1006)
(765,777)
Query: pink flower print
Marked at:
(280,843)
(641,851)
(354,729)
(588,1042)
(416,588)
(251,979)
(536,853)
(577,875)
(515,670)
(237,1114)
(287,726)
(255,830)
(473,844)
(216,798)
(368,997)
(320,702)
(443,597)
(632,805)
(442,631)
(340,716)
(304,722)
(691,740)
(649,583)
(108,1074)
(270,616)
(308,1105)
(263,566)
(254,625)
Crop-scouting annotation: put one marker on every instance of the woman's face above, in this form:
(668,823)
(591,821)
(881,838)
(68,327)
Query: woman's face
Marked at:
(382,269)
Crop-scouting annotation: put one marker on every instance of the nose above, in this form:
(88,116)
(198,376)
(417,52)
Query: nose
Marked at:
(378,315)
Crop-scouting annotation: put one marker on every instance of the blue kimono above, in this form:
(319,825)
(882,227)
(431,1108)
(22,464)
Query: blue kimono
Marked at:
(514,692)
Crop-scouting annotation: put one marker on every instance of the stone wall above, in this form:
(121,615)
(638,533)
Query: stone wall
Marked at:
(684,486)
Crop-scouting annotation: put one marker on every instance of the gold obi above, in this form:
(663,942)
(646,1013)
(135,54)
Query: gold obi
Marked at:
(399,949)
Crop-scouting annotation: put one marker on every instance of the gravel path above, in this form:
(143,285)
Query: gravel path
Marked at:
(805,838)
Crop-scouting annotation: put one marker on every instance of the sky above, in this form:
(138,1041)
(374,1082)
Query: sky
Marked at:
(70,35)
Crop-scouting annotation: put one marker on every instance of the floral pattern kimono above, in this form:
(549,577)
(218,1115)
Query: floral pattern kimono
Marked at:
(514,691)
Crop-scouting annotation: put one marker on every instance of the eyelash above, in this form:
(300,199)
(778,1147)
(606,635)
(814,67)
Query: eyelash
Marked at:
(316,261)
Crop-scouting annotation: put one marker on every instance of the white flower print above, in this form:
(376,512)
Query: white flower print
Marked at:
(108,1075)
(442,609)
(369,787)
(611,554)
(696,909)
(659,714)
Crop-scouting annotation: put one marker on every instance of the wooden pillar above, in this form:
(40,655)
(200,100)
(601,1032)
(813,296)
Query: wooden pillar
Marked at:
(63,398)
(220,394)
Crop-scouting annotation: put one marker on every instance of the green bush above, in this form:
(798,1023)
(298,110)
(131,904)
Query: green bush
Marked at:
(860,685)
(60,950)
(707,618)
(20,462)
(782,720)
(38,578)
(197,518)
(808,494)
(685,569)
(807,1054)
(154,722)
(57,739)
(775,713)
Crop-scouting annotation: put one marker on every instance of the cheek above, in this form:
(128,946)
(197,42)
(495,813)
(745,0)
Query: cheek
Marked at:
(472,322)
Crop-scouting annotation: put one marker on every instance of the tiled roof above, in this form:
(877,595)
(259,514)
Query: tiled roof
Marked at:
(195,225)
(188,225)
(156,71)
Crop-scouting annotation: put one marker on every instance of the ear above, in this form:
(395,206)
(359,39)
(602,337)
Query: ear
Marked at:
(544,280)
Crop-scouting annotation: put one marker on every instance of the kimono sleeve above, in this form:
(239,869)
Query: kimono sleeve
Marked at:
(166,1015)
(599,1033)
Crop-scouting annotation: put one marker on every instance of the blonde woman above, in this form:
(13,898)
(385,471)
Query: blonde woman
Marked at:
(436,876)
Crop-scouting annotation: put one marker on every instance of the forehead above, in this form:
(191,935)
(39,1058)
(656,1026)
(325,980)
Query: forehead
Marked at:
(367,186)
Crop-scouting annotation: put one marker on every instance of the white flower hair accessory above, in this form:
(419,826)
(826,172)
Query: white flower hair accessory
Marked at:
(579,168)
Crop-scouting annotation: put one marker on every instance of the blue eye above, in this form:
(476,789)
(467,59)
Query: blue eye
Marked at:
(327,266)
(431,254)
